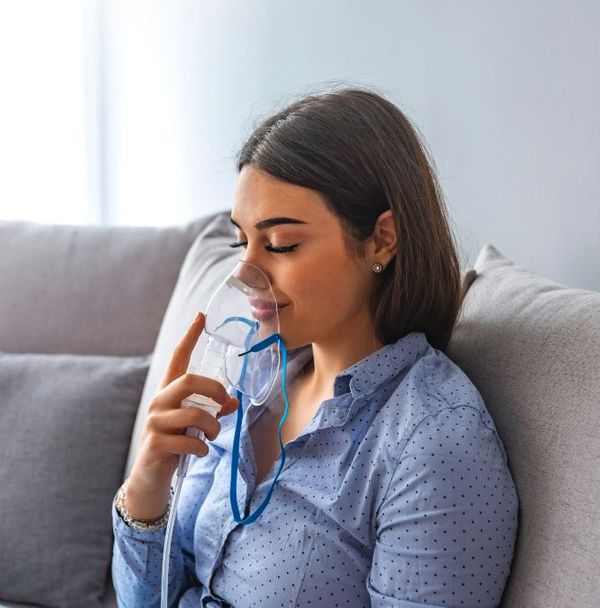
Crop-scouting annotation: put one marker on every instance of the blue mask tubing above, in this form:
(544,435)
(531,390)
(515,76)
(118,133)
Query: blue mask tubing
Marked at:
(236,439)
(235,455)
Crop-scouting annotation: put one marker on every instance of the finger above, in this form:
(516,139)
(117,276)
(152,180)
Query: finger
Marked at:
(183,444)
(180,419)
(229,407)
(170,396)
(180,359)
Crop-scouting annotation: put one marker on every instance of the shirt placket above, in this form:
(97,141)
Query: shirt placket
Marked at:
(331,413)
(247,471)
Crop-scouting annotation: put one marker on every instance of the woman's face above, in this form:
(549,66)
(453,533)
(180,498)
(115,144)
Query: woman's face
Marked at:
(321,288)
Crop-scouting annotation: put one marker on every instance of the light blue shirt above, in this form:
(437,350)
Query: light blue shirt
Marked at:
(397,494)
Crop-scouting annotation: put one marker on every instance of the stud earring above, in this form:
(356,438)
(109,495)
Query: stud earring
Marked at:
(377,267)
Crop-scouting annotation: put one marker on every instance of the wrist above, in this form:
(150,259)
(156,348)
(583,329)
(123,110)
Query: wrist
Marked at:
(140,524)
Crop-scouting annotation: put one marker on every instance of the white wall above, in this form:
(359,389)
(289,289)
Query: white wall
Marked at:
(506,94)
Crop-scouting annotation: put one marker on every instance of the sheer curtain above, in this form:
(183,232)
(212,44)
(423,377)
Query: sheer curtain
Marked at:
(93,128)
(44,152)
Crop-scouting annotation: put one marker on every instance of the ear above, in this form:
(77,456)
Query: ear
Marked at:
(384,238)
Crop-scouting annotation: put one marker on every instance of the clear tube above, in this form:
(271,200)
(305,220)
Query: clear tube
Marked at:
(164,594)
(212,366)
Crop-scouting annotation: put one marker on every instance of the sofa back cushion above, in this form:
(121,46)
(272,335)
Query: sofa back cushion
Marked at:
(99,290)
(532,347)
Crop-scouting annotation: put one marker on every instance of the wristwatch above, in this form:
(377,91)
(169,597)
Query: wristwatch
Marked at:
(140,524)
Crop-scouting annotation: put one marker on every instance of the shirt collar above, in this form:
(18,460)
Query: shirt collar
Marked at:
(366,375)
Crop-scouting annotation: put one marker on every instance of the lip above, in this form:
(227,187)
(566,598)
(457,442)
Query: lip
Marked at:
(265,305)
(267,313)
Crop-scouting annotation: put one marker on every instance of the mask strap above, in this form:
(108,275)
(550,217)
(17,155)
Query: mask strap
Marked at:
(236,439)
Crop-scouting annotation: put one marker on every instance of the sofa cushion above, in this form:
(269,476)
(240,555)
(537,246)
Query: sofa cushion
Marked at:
(88,289)
(208,262)
(532,347)
(66,423)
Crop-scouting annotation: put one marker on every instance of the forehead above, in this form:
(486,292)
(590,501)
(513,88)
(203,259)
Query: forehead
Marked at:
(258,195)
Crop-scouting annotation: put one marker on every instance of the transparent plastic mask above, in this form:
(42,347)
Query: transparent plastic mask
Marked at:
(241,313)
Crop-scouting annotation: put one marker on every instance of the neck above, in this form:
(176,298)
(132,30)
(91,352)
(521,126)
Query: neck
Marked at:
(337,352)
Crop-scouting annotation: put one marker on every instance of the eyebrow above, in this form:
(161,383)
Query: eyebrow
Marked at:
(272,221)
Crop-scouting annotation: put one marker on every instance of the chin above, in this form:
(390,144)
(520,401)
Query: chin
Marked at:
(293,342)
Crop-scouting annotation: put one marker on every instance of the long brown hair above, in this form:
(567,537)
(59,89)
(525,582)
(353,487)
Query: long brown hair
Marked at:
(361,152)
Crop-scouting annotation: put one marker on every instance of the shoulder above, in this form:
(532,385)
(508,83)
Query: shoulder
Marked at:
(445,439)
(434,389)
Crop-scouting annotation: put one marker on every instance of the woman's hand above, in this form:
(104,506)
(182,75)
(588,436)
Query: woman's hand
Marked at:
(164,436)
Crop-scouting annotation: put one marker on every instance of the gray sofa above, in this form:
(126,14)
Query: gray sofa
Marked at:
(88,319)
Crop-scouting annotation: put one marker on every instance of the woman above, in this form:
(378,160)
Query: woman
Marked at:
(396,489)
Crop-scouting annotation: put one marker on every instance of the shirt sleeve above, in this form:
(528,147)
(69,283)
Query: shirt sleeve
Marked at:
(446,529)
(137,554)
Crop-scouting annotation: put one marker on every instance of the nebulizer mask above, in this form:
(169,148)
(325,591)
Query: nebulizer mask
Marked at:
(244,350)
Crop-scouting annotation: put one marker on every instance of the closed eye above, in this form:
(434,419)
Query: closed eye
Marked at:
(269,247)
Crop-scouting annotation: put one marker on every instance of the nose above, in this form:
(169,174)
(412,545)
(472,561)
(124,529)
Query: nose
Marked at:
(255,254)
(253,275)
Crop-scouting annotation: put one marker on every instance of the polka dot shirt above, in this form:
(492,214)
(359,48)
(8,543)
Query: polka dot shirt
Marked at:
(397,494)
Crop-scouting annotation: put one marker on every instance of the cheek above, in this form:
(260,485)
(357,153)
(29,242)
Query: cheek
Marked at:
(314,285)
(301,279)
(302,285)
